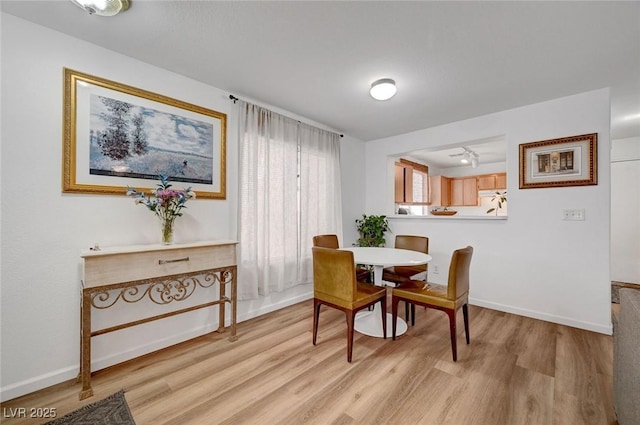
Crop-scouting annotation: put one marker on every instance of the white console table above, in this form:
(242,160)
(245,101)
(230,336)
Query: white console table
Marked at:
(160,273)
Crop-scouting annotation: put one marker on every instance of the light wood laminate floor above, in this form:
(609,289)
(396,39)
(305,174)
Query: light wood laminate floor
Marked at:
(515,371)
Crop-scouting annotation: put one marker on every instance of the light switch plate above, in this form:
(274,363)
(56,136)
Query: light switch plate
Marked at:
(573,215)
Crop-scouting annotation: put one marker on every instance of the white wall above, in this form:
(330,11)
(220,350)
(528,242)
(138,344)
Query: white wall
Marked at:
(44,230)
(515,266)
(352,161)
(625,210)
(532,263)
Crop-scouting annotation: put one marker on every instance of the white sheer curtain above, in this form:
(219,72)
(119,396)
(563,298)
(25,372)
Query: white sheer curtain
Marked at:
(320,189)
(289,192)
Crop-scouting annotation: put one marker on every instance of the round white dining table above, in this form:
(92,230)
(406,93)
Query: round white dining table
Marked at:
(369,322)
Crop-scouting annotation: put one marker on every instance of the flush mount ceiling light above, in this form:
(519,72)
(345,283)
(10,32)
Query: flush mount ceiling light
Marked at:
(383,89)
(102,7)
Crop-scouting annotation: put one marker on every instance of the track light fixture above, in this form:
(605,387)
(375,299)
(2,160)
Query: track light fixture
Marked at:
(470,156)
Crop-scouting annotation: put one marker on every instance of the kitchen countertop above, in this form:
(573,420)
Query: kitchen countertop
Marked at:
(447,217)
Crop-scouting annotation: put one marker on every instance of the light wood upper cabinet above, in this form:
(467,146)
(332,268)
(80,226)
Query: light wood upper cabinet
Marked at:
(440,191)
(492,181)
(399,184)
(486,182)
(501,181)
(464,191)
(457,192)
(470,188)
(410,183)
(403,183)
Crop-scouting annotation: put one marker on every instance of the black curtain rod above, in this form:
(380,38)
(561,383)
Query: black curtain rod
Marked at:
(232,97)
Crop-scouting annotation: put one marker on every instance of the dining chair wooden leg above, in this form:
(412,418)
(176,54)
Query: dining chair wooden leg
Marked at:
(350,319)
(452,329)
(383,301)
(316,319)
(410,313)
(465,314)
(394,316)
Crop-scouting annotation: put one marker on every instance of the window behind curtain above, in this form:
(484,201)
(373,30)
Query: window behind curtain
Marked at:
(420,186)
(289,192)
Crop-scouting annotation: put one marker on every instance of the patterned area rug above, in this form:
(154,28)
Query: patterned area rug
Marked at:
(113,410)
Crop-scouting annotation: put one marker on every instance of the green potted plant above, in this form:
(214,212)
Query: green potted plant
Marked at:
(372,229)
(501,197)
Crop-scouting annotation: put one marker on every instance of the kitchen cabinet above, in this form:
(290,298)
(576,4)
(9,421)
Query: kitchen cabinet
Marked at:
(440,191)
(464,191)
(410,183)
(403,184)
(399,184)
(492,181)
(486,182)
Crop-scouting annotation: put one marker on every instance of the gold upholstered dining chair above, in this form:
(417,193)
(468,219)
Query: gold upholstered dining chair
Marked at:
(331,241)
(403,274)
(448,298)
(335,285)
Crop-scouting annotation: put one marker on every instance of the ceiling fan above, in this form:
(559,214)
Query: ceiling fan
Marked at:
(468,156)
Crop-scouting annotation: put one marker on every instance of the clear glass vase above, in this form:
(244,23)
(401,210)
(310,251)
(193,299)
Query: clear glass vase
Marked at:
(167,231)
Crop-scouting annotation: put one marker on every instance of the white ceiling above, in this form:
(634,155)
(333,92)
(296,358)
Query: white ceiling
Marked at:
(451,60)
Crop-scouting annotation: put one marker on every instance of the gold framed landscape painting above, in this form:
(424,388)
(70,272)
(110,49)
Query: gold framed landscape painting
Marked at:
(568,161)
(117,136)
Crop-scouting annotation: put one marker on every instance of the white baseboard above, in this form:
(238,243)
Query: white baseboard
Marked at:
(589,326)
(250,314)
(64,374)
(36,383)
(71,372)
